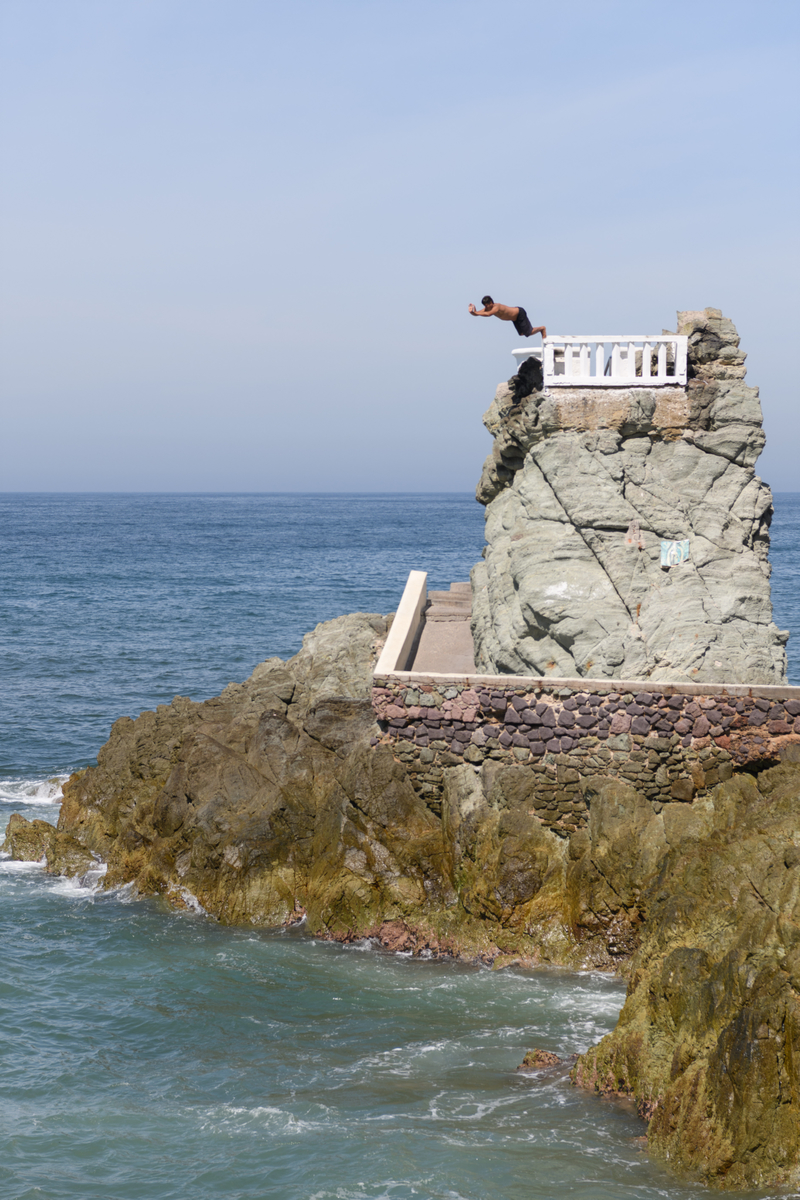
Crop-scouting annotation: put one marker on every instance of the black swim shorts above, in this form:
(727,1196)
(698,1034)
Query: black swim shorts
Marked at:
(522,324)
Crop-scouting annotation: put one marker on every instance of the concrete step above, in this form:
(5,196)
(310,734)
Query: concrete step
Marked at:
(458,592)
(463,605)
(454,605)
(449,601)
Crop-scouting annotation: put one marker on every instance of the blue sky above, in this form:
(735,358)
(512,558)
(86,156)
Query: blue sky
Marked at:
(239,238)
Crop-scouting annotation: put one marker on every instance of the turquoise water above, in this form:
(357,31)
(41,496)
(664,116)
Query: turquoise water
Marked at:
(148,1054)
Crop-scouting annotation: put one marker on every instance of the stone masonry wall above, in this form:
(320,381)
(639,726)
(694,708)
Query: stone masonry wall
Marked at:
(666,743)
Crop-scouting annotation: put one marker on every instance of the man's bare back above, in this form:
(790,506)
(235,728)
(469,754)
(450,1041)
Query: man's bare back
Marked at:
(496,310)
(506,312)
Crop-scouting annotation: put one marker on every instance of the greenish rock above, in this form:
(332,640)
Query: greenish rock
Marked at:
(619,741)
(708,1043)
(563,592)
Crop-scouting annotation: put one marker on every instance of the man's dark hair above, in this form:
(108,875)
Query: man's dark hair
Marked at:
(486,301)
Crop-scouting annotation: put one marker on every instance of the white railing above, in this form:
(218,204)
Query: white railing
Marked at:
(405,625)
(651,360)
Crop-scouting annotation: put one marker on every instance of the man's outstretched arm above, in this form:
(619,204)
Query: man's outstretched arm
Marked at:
(483,312)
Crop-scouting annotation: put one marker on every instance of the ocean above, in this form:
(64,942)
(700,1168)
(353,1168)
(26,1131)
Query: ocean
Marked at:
(150,1055)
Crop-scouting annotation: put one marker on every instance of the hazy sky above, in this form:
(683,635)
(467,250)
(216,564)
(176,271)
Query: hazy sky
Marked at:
(239,237)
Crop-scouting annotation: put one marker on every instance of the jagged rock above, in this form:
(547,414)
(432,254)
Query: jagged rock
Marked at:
(708,1043)
(30,841)
(234,802)
(269,801)
(566,591)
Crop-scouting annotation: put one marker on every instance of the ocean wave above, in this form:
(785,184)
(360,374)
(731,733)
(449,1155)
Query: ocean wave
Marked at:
(79,887)
(10,866)
(229,1118)
(185,900)
(33,792)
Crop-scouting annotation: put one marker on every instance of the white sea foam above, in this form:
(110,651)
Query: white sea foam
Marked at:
(33,792)
(10,866)
(400,1060)
(391,1187)
(187,901)
(362,944)
(80,887)
(125,894)
(234,1118)
(448,1107)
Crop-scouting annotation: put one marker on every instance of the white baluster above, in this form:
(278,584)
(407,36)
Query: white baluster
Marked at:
(631,360)
(584,360)
(549,356)
(615,360)
(647,350)
(568,360)
(680,360)
(662,362)
(600,360)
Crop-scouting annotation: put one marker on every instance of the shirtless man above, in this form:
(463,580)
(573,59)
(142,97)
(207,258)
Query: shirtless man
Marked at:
(506,313)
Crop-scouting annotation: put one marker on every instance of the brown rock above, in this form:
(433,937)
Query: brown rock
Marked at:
(396,936)
(682,789)
(779,726)
(30,841)
(707,1043)
(537,1060)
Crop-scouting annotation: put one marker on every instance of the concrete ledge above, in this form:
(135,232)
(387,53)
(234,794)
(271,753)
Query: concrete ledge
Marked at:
(526,352)
(768,691)
(405,626)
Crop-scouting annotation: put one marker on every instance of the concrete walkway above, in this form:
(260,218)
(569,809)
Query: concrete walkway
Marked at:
(445,641)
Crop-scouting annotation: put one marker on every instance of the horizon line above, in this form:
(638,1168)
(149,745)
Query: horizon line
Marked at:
(161,492)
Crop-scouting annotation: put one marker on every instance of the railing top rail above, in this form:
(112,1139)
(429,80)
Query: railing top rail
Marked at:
(617,337)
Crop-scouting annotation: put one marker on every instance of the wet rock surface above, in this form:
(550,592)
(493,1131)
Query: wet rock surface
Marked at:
(581,488)
(31,841)
(539,1060)
(708,1043)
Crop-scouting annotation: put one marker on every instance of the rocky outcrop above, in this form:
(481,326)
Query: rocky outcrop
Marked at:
(581,488)
(276,802)
(272,803)
(708,1043)
(31,841)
